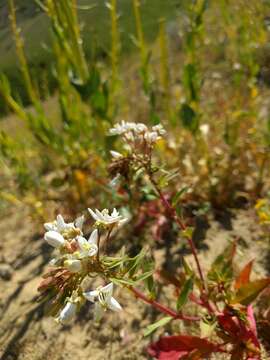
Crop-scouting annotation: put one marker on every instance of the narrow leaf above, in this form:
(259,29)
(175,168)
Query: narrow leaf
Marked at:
(153,327)
(189,118)
(187,268)
(178,195)
(183,297)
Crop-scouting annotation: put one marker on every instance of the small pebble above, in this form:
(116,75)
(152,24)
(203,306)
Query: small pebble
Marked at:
(5,271)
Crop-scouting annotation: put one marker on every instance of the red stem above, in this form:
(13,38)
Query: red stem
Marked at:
(181,225)
(161,307)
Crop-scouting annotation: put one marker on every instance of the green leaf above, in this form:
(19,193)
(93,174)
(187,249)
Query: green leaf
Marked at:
(190,78)
(144,276)
(222,269)
(207,328)
(189,118)
(178,195)
(136,262)
(150,284)
(188,232)
(123,281)
(186,290)
(187,268)
(249,292)
(156,325)
(99,102)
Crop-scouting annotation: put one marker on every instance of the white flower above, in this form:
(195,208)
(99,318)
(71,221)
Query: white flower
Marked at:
(88,248)
(204,129)
(151,137)
(121,128)
(103,299)
(140,128)
(104,218)
(159,129)
(138,133)
(54,239)
(116,155)
(60,225)
(237,66)
(67,313)
(73,265)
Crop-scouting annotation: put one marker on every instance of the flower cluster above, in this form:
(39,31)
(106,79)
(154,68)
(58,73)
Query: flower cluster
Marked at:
(139,141)
(101,297)
(75,258)
(72,246)
(103,218)
(137,133)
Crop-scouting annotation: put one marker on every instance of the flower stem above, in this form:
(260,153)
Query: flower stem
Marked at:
(161,307)
(98,245)
(180,224)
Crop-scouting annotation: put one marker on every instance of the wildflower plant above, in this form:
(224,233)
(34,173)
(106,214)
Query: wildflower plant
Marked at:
(226,297)
(77,258)
(223,297)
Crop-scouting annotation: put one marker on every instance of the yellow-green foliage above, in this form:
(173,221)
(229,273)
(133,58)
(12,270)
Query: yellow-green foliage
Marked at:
(199,79)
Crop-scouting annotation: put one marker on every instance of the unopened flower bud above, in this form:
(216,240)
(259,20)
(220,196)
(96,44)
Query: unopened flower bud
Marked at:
(73,265)
(67,313)
(116,155)
(54,238)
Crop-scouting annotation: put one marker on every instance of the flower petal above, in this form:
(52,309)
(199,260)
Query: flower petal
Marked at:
(93,214)
(113,304)
(93,250)
(54,238)
(107,290)
(101,217)
(50,226)
(116,154)
(91,295)
(93,237)
(67,313)
(83,243)
(79,222)
(60,223)
(115,213)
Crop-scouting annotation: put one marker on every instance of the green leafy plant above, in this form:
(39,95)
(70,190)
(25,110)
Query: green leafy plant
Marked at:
(223,296)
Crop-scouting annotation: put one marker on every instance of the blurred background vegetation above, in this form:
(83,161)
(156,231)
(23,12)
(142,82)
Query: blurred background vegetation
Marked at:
(70,69)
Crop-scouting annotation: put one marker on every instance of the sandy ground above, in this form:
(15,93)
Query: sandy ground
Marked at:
(25,333)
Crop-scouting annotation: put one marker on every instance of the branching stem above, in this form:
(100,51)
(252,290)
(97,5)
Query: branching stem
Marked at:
(162,308)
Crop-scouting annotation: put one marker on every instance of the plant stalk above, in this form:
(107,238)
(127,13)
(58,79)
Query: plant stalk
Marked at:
(180,224)
(162,308)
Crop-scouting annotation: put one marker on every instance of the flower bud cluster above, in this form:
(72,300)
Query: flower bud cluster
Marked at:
(72,246)
(138,133)
(76,256)
(139,142)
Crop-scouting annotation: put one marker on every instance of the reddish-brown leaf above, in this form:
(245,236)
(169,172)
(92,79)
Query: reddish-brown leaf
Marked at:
(244,276)
(249,292)
(177,347)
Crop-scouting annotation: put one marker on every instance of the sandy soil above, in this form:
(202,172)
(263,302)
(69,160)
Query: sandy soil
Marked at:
(25,333)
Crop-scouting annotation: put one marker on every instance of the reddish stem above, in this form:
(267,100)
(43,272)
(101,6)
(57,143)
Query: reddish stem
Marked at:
(181,225)
(162,308)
